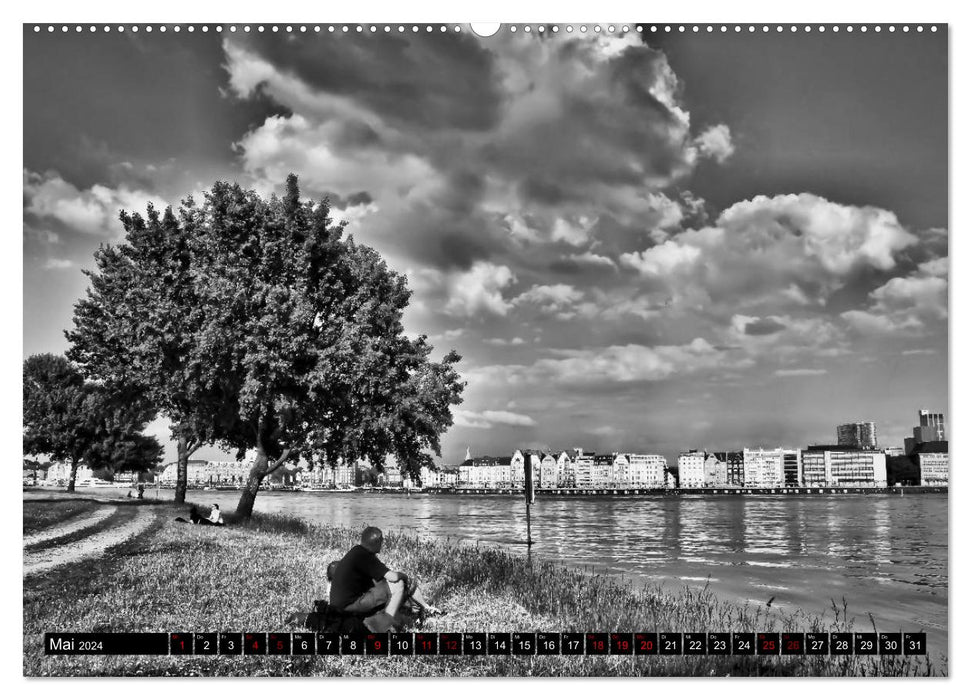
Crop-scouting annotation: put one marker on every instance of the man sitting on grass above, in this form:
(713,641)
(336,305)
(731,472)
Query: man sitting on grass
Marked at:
(361,583)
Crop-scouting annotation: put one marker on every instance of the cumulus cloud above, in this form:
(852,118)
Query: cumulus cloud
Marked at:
(905,305)
(479,290)
(490,419)
(556,300)
(93,211)
(784,338)
(774,253)
(716,142)
(662,259)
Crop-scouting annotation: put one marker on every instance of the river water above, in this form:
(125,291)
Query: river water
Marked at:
(886,554)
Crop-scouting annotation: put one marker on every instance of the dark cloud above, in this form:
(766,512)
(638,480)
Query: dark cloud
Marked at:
(565,266)
(425,81)
(764,326)
(359,198)
(354,199)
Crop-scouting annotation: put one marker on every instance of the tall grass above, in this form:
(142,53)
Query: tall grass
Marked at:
(252,575)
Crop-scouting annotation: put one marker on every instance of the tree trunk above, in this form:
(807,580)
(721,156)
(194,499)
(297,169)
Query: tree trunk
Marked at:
(74,476)
(182,471)
(244,509)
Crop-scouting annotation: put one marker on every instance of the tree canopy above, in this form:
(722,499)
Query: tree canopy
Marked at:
(307,325)
(256,323)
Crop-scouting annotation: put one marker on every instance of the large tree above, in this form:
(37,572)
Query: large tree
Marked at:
(303,328)
(72,420)
(139,324)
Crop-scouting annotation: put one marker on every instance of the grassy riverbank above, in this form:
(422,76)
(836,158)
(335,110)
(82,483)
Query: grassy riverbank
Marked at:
(251,576)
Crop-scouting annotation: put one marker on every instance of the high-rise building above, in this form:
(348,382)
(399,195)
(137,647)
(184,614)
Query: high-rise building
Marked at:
(862,434)
(930,429)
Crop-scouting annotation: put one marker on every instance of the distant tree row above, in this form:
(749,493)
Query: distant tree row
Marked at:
(251,324)
(78,421)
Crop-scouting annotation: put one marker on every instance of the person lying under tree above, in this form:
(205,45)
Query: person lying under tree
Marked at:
(195,517)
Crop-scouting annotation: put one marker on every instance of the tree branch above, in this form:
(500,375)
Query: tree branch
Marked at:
(193,446)
(278,463)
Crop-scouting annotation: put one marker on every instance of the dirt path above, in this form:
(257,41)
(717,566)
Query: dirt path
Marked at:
(66,528)
(89,547)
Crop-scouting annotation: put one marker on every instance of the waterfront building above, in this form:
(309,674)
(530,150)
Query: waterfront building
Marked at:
(196,473)
(602,472)
(583,468)
(763,468)
(391,476)
(548,475)
(716,471)
(221,473)
(59,473)
(429,477)
(446,477)
(670,482)
(838,465)
(734,466)
(486,472)
(893,451)
(646,471)
(934,468)
(862,434)
(691,469)
(517,467)
(319,477)
(792,467)
(345,474)
(566,473)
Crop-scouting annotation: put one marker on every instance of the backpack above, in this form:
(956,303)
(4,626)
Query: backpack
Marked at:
(326,618)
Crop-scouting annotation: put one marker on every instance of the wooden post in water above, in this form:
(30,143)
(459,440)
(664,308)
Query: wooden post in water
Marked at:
(529,530)
(530,497)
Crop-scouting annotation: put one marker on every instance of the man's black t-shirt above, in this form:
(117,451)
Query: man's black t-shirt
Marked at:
(354,576)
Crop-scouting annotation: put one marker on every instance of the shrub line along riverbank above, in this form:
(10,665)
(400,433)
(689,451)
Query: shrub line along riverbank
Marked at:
(173,577)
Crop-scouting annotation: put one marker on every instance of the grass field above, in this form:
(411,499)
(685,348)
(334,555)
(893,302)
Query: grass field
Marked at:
(251,576)
(39,518)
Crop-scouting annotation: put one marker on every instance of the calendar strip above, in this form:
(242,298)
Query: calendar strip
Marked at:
(488,644)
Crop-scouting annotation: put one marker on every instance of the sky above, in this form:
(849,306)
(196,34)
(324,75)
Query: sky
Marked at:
(636,242)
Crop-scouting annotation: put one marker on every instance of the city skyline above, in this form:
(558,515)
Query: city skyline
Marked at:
(630,239)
